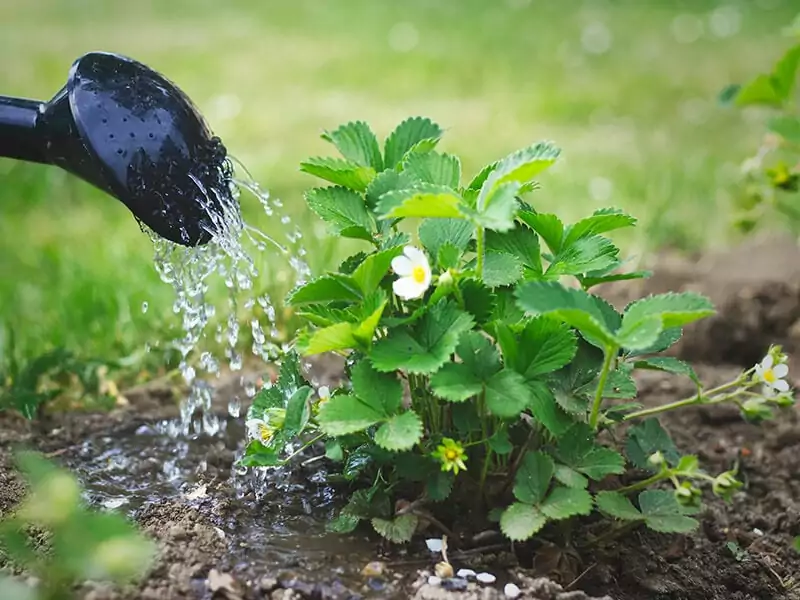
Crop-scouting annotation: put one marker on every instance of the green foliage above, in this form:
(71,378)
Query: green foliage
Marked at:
(84,544)
(478,361)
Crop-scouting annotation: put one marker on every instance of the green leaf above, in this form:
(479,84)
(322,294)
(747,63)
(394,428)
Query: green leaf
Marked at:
(500,269)
(364,331)
(602,221)
(455,382)
(258,455)
(667,364)
(548,226)
(520,242)
(448,256)
(478,355)
(570,477)
(520,522)
(497,209)
(565,502)
(347,414)
(439,485)
(436,233)
(369,274)
(343,523)
(590,281)
(339,172)
(388,181)
(577,450)
(544,346)
(368,503)
(399,530)
(409,133)
(619,384)
(382,390)
(646,438)
(663,513)
(426,345)
(401,432)
(298,412)
(479,300)
(644,319)
(433,167)
(421,201)
(328,339)
(334,450)
(328,288)
(356,142)
(500,443)
(546,411)
(344,211)
(533,477)
(586,254)
(784,75)
(507,394)
(574,307)
(618,506)
(666,339)
(786,126)
(520,167)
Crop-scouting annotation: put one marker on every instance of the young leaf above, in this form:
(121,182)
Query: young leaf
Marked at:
(382,390)
(369,274)
(507,394)
(548,226)
(343,523)
(520,242)
(618,506)
(479,179)
(565,502)
(433,167)
(784,75)
(673,310)
(327,339)
(258,455)
(520,167)
(401,432)
(498,208)
(577,450)
(602,221)
(409,133)
(520,522)
(666,339)
(663,513)
(436,233)
(500,442)
(388,181)
(667,364)
(786,126)
(356,142)
(544,346)
(298,411)
(421,201)
(570,477)
(399,530)
(574,307)
(347,414)
(646,438)
(500,269)
(584,255)
(456,383)
(344,211)
(426,345)
(328,288)
(339,172)
(546,411)
(533,477)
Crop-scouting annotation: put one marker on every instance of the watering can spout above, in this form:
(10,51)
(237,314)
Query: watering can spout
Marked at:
(130,132)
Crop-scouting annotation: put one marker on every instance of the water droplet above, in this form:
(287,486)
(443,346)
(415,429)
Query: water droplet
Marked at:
(145,306)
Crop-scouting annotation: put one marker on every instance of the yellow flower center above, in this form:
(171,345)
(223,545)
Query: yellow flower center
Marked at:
(265,433)
(451,454)
(769,376)
(418,274)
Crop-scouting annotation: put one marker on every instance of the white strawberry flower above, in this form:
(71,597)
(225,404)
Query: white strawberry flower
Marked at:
(324,394)
(260,430)
(414,271)
(772,375)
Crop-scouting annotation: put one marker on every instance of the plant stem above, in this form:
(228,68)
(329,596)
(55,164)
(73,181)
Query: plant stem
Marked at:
(485,470)
(697,399)
(303,447)
(480,238)
(644,483)
(610,352)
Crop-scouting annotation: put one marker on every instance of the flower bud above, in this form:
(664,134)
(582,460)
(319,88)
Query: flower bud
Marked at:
(687,494)
(446,279)
(725,484)
(656,459)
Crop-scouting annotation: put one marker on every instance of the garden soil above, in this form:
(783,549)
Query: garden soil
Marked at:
(742,551)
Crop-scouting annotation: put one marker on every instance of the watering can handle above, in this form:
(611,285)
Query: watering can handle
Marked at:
(19,136)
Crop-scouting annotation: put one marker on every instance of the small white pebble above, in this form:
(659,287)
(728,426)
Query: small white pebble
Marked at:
(434,544)
(511,590)
(486,578)
(758,532)
(465,573)
(434,580)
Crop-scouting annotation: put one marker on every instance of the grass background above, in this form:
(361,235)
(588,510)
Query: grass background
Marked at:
(626,87)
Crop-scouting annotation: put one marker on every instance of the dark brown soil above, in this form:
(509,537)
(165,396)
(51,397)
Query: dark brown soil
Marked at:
(757,291)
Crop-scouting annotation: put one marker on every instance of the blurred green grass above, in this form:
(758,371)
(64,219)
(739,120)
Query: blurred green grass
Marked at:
(627,88)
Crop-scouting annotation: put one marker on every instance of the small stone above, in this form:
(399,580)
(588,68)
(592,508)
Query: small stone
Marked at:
(374,569)
(376,584)
(455,584)
(434,544)
(511,590)
(465,573)
(486,578)
(444,570)
(267,584)
(434,580)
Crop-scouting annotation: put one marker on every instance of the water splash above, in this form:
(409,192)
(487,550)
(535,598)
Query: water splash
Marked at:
(191,270)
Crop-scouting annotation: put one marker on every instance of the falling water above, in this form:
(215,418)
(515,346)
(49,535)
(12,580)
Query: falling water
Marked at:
(190,271)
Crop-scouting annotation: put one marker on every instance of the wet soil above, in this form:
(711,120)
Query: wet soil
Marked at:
(229,535)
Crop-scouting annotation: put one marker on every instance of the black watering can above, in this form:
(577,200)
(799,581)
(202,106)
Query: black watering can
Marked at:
(130,132)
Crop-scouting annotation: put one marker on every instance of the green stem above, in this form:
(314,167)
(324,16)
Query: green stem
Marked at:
(480,239)
(303,447)
(645,483)
(485,471)
(692,400)
(610,353)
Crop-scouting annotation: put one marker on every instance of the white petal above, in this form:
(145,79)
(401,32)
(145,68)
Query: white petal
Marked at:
(402,265)
(759,371)
(781,385)
(767,362)
(416,256)
(408,289)
(780,371)
(324,391)
(767,391)
(434,544)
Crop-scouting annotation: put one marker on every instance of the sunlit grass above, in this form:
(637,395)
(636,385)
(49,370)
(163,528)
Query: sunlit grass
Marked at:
(632,106)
